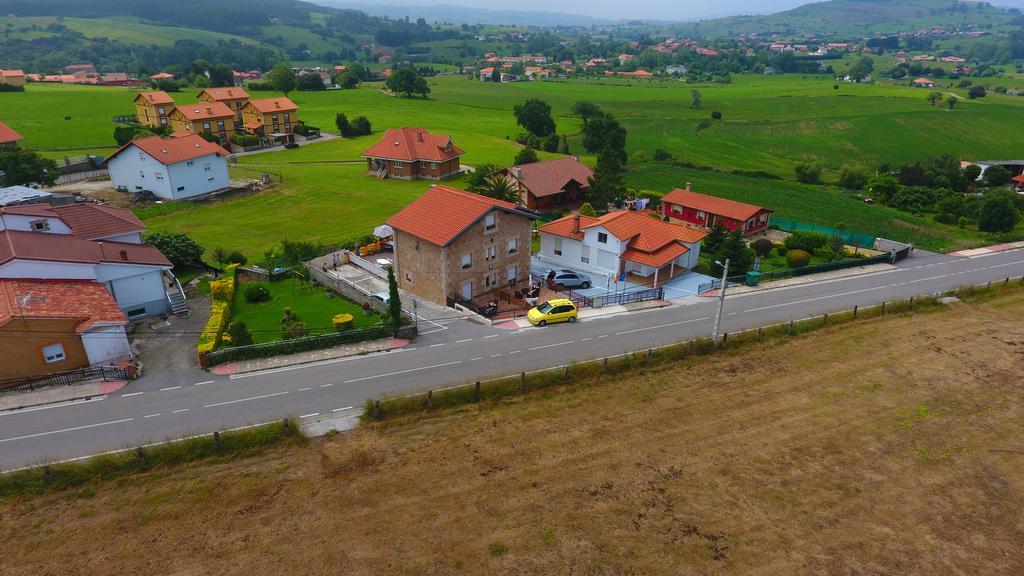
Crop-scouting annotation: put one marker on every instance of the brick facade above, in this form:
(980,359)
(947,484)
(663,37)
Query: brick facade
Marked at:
(420,169)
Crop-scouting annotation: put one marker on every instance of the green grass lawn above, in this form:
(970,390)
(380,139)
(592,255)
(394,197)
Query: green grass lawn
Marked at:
(310,304)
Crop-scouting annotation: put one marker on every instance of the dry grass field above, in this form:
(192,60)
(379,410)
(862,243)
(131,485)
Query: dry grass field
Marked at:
(891,446)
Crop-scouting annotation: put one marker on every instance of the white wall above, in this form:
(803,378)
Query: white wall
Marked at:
(20,222)
(130,238)
(570,258)
(137,289)
(104,345)
(206,174)
(135,170)
(47,270)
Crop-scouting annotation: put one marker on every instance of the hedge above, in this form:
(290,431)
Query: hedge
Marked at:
(296,345)
(223,292)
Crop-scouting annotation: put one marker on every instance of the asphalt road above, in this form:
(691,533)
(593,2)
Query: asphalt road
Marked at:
(163,406)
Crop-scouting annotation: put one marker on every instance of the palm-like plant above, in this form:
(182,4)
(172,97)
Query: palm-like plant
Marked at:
(500,188)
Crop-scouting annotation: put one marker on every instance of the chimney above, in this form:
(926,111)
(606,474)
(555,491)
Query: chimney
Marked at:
(124,255)
(209,110)
(517,172)
(576,224)
(419,136)
(277,103)
(687,186)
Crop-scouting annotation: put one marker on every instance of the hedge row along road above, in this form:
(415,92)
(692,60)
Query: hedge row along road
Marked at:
(163,406)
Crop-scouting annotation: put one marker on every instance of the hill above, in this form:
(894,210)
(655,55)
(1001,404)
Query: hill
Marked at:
(826,454)
(858,18)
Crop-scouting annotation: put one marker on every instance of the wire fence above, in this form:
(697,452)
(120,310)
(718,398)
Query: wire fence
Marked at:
(849,236)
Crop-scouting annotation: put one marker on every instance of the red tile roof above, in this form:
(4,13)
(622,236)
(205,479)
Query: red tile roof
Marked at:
(7,135)
(271,105)
(15,244)
(551,176)
(156,98)
(221,94)
(83,300)
(657,258)
(88,221)
(169,151)
(410,144)
(712,204)
(205,111)
(651,241)
(564,226)
(443,213)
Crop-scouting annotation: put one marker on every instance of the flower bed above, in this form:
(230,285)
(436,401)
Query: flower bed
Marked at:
(223,293)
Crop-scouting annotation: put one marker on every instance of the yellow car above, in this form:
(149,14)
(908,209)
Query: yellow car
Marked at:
(558,310)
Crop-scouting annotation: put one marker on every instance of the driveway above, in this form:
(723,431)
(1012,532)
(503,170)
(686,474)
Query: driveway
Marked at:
(164,346)
(679,287)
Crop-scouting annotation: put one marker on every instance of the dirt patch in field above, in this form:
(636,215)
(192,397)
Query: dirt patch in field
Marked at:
(886,447)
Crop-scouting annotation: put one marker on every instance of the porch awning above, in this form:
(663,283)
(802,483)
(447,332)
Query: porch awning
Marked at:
(658,258)
(383,231)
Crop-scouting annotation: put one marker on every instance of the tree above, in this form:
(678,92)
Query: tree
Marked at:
(971,173)
(350,77)
(997,176)
(236,257)
(222,75)
(606,183)
(604,132)
(951,102)
(535,116)
(852,178)
(525,156)
(884,186)
(586,110)
(282,79)
(977,91)
(344,127)
(934,98)
(998,213)
(713,241)
(862,69)
(563,146)
(587,209)
(551,142)
(310,83)
(125,134)
(807,172)
(477,179)
(695,99)
(240,335)
(361,126)
(180,249)
(741,258)
(19,167)
(407,82)
(394,301)
(500,188)
(219,255)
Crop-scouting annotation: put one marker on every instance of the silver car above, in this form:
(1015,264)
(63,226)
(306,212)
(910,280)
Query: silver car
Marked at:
(569,279)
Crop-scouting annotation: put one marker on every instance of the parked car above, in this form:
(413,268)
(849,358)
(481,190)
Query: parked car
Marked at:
(384,297)
(552,311)
(569,279)
(291,145)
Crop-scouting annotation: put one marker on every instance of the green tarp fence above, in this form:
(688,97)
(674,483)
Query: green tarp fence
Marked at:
(850,237)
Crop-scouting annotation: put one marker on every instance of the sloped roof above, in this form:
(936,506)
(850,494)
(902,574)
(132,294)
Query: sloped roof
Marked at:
(647,233)
(15,244)
(549,177)
(88,221)
(8,135)
(86,301)
(179,148)
(12,72)
(564,226)
(712,204)
(271,105)
(410,144)
(443,213)
(156,98)
(205,111)
(657,258)
(219,94)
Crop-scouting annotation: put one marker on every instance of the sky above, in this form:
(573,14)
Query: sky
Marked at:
(640,9)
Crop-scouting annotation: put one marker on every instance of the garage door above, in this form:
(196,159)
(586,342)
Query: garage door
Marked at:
(606,259)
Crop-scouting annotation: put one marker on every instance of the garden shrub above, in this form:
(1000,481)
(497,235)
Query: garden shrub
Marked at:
(807,172)
(256,293)
(806,241)
(781,249)
(913,198)
(291,326)
(762,246)
(239,334)
(342,321)
(236,257)
(244,140)
(661,155)
(222,292)
(798,258)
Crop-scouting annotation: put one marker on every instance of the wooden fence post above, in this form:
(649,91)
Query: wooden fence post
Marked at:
(216,439)
(854,312)
(648,355)
(565,372)
(789,330)
(141,455)
(759,334)
(476,390)
(287,426)
(522,382)
(430,399)
(689,347)
(376,409)
(883,307)
(725,338)
(604,365)
(824,319)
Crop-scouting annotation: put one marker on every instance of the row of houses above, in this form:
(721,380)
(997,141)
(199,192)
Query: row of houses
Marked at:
(71,278)
(221,112)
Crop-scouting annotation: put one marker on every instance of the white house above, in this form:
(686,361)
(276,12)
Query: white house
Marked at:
(88,242)
(622,241)
(182,166)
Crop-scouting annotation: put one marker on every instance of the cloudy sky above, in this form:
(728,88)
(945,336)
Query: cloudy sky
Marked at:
(648,9)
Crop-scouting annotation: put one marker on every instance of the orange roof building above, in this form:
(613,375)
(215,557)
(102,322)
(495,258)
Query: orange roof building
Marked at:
(233,97)
(182,166)
(273,119)
(8,137)
(451,244)
(412,153)
(153,108)
(12,77)
(214,118)
(621,242)
(704,212)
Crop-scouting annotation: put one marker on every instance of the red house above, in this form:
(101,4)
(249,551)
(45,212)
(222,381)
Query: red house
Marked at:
(8,137)
(703,211)
(550,183)
(411,153)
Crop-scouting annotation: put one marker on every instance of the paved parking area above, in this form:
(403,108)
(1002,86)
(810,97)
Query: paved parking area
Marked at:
(679,287)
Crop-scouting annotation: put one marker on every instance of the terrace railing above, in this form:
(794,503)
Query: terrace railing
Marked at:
(68,377)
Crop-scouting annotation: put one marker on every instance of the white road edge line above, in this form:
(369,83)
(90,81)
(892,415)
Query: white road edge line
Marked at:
(404,371)
(342,409)
(169,388)
(661,326)
(49,406)
(203,383)
(130,394)
(151,415)
(310,415)
(245,399)
(549,346)
(37,435)
(180,411)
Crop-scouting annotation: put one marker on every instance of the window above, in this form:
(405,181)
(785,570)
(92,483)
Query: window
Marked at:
(602,237)
(274,118)
(206,126)
(287,117)
(511,274)
(189,163)
(181,188)
(433,165)
(396,164)
(220,125)
(491,279)
(408,277)
(585,254)
(53,353)
(490,252)
(513,245)
(39,225)
(677,209)
(142,174)
(206,167)
(163,121)
(489,221)
(142,155)
(558,246)
(762,218)
(162,110)
(287,128)
(700,215)
(158,175)
(467,261)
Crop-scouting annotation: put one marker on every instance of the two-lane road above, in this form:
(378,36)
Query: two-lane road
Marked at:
(170,406)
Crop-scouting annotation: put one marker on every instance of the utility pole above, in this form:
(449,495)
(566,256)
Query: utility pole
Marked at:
(415,317)
(721,299)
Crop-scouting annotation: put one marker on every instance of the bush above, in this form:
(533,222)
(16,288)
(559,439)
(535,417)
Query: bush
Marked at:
(762,246)
(976,91)
(236,257)
(852,179)
(716,115)
(807,172)
(222,292)
(11,88)
(661,155)
(781,249)
(798,258)
(255,293)
(239,334)
(587,209)
(180,249)
(913,198)
(525,156)
(244,140)
(342,322)
(806,241)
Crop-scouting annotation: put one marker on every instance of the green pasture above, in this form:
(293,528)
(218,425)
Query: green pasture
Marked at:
(125,29)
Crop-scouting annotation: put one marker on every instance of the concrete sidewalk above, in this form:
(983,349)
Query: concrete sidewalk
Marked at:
(988,249)
(56,394)
(588,313)
(257,364)
(809,279)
